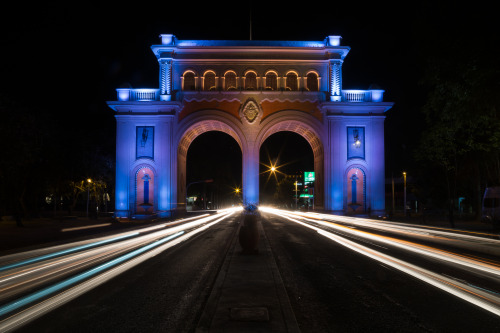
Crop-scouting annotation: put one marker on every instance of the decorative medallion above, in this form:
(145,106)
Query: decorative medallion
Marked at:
(250,110)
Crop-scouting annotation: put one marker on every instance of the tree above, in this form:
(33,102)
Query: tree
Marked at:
(462,137)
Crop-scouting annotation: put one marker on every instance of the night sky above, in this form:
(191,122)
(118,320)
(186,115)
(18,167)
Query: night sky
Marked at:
(66,59)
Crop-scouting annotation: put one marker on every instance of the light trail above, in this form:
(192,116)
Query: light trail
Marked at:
(67,251)
(384,225)
(486,299)
(86,227)
(61,292)
(488,243)
(59,286)
(27,257)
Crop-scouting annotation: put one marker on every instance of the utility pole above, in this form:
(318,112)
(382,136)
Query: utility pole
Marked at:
(393,200)
(404,177)
(296,199)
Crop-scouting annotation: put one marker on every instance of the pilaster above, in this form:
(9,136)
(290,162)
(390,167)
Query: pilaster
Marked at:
(123,160)
(334,165)
(376,159)
(335,80)
(166,79)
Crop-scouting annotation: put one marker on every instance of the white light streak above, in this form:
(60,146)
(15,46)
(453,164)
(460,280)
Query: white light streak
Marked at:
(150,245)
(86,227)
(473,294)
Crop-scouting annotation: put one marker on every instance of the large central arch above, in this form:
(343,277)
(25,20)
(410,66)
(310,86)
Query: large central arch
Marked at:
(307,127)
(190,129)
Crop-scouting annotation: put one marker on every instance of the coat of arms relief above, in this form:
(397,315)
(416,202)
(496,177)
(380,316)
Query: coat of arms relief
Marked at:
(250,111)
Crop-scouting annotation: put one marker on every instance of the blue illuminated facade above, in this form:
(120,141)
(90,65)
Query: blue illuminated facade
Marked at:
(249,90)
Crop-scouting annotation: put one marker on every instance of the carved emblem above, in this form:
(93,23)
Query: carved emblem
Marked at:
(250,111)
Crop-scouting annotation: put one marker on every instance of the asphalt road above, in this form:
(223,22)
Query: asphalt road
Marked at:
(164,294)
(331,289)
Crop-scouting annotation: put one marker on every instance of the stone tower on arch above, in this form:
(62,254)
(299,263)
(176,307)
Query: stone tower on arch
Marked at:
(250,90)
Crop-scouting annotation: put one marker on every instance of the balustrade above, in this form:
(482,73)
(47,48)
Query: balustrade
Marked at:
(125,94)
(362,95)
(138,94)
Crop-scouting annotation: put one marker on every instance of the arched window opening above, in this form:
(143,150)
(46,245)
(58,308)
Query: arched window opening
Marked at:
(312,82)
(291,81)
(271,81)
(145,191)
(209,81)
(189,81)
(355,191)
(251,81)
(230,81)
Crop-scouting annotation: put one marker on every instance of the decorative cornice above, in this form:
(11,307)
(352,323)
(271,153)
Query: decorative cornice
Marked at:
(213,99)
(355,108)
(234,99)
(258,95)
(149,107)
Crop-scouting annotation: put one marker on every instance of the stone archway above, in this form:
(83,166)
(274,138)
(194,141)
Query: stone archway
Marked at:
(305,126)
(193,127)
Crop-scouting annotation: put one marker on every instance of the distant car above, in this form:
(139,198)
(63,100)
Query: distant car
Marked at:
(491,205)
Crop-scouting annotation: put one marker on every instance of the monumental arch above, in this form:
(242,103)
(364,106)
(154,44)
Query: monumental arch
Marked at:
(250,90)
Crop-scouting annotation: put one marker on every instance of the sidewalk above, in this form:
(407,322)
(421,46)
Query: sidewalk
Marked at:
(465,223)
(249,294)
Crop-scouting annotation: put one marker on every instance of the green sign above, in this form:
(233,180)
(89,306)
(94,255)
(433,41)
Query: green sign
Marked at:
(309,176)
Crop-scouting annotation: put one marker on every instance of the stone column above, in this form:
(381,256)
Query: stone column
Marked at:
(251,174)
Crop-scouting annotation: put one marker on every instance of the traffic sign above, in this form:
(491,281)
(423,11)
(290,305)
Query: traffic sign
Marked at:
(309,176)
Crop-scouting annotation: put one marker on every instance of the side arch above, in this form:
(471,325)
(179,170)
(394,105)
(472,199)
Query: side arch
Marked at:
(310,129)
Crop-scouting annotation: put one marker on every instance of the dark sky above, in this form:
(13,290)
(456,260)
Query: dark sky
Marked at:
(68,58)
(100,46)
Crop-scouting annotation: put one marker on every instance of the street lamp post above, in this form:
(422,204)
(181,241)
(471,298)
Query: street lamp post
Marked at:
(404,180)
(89,181)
